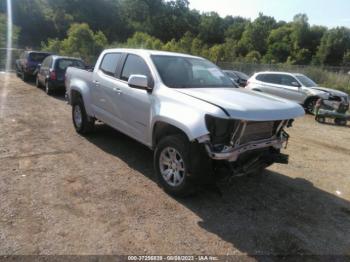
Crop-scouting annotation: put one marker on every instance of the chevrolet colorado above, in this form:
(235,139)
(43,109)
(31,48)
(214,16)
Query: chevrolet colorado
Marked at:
(185,109)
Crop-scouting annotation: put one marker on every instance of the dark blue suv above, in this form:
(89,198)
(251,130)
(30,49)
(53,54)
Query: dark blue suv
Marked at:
(27,64)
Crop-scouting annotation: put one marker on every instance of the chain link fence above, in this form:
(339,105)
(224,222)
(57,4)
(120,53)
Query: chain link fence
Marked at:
(14,53)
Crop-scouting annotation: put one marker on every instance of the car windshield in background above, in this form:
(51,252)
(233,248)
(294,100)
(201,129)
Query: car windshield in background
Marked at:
(232,75)
(241,75)
(63,64)
(307,82)
(38,57)
(187,72)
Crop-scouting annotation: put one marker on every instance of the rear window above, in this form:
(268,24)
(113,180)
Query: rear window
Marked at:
(63,64)
(38,57)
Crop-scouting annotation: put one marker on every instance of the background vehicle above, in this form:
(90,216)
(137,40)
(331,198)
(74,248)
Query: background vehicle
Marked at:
(28,63)
(51,73)
(185,108)
(239,77)
(295,87)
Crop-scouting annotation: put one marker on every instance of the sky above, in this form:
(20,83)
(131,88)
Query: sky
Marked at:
(320,12)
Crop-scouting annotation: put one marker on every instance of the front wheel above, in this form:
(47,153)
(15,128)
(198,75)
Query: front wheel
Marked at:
(37,83)
(310,105)
(82,122)
(171,163)
(340,121)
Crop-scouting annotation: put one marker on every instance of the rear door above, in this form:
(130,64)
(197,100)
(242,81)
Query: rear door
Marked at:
(45,69)
(282,85)
(289,90)
(103,91)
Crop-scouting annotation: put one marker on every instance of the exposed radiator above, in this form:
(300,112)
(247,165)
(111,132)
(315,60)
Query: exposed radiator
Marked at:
(257,131)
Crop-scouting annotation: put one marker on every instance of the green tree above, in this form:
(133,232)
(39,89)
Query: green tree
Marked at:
(256,34)
(143,40)
(3,32)
(211,28)
(81,42)
(335,43)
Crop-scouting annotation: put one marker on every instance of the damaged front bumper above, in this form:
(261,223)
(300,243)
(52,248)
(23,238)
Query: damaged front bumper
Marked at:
(231,154)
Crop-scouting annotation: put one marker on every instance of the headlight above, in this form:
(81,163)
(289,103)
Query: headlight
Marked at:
(220,129)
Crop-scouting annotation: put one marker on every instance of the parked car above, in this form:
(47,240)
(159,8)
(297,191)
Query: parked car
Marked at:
(27,64)
(51,73)
(295,87)
(185,109)
(238,77)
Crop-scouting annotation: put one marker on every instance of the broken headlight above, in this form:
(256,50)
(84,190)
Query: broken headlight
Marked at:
(220,129)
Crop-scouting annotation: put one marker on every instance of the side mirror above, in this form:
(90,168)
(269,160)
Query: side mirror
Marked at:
(139,82)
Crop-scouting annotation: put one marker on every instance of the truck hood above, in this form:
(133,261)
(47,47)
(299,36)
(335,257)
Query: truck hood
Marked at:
(247,105)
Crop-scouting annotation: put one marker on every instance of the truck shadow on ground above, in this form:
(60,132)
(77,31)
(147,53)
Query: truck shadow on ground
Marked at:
(272,214)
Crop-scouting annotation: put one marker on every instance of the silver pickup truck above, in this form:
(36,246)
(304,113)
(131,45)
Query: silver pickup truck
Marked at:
(185,109)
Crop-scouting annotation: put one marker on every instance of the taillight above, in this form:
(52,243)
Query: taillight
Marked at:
(52,75)
(247,84)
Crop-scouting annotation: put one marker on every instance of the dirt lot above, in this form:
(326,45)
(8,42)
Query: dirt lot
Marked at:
(61,193)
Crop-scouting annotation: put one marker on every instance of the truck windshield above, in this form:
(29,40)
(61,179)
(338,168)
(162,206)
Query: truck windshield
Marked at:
(307,82)
(187,72)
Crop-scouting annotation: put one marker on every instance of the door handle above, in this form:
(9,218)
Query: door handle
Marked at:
(117,90)
(97,84)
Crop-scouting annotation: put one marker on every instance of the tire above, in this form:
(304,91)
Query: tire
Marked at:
(48,88)
(321,119)
(172,165)
(340,122)
(83,124)
(310,105)
(25,77)
(37,83)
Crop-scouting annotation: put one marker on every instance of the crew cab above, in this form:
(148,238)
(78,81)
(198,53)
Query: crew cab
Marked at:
(185,109)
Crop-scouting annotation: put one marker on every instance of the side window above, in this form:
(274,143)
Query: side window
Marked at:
(135,65)
(272,78)
(45,62)
(109,63)
(287,80)
(261,77)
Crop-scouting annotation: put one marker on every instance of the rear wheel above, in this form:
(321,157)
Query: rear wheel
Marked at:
(82,122)
(48,88)
(25,77)
(172,166)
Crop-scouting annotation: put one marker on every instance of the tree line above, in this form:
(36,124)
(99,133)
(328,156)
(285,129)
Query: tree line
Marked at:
(84,27)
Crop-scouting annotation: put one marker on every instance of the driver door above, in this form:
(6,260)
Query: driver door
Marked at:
(134,104)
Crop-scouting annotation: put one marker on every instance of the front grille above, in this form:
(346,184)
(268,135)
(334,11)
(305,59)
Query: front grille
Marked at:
(257,131)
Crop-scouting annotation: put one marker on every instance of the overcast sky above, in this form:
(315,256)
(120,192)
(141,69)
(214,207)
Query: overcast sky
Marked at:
(321,12)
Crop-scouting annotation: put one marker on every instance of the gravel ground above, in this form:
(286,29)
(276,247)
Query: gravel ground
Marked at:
(61,193)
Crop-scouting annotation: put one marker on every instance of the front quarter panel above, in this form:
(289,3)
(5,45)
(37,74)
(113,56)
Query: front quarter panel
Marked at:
(182,111)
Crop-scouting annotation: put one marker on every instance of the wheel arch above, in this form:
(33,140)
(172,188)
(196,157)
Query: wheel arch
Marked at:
(162,129)
(309,98)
